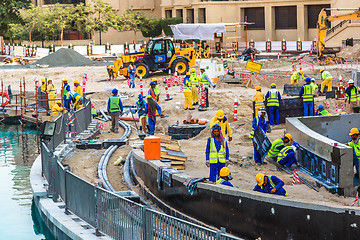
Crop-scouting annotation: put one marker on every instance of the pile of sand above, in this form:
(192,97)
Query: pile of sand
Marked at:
(350,52)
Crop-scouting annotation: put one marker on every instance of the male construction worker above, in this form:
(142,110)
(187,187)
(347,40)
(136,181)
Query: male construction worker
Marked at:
(314,87)
(351,96)
(286,156)
(151,91)
(259,121)
(225,177)
(75,98)
(321,111)
(279,144)
(273,98)
(259,99)
(217,153)
(57,109)
(205,80)
(78,89)
(269,184)
(41,98)
(327,80)
(66,88)
(355,144)
(156,90)
(151,108)
(115,108)
(221,120)
(296,76)
(93,111)
(141,105)
(51,91)
(43,85)
(187,93)
(308,98)
(194,78)
(132,71)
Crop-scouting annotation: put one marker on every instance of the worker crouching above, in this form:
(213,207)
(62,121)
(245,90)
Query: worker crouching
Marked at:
(225,177)
(57,109)
(279,144)
(269,184)
(286,156)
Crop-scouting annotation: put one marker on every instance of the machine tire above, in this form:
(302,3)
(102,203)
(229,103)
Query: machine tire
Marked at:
(182,65)
(142,70)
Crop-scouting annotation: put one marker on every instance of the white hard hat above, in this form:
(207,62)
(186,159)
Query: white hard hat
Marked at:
(350,81)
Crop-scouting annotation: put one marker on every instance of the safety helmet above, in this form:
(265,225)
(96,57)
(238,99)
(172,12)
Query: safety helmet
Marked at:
(351,81)
(307,79)
(321,70)
(193,70)
(140,96)
(152,83)
(154,80)
(114,91)
(76,81)
(188,73)
(354,131)
(220,114)
(313,79)
(273,85)
(58,101)
(43,80)
(288,136)
(301,72)
(65,80)
(202,69)
(148,96)
(296,145)
(216,126)
(321,106)
(262,109)
(260,178)
(224,172)
(258,88)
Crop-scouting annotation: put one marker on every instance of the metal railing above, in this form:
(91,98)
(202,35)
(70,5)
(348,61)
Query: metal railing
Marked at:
(105,211)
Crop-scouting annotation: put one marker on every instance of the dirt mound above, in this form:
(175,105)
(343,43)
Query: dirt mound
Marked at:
(350,52)
(64,57)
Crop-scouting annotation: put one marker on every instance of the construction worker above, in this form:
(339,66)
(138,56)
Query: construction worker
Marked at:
(296,76)
(217,153)
(132,71)
(78,89)
(315,87)
(156,90)
(43,86)
(151,108)
(57,109)
(321,111)
(225,177)
(351,96)
(115,108)
(308,98)
(279,144)
(51,91)
(93,111)
(327,80)
(75,98)
(273,98)
(355,144)
(269,184)
(205,80)
(286,156)
(259,99)
(259,121)
(66,88)
(151,91)
(187,93)
(194,78)
(141,105)
(221,120)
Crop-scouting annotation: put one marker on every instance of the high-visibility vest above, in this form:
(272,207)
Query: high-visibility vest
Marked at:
(356,148)
(273,100)
(65,89)
(187,88)
(114,104)
(314,87)
(273,152)
(215,156)
(194,78)
(354,95)
(283,153)
(220,181)
(270,181)
(156,90)
(324,112)
(308,95)
(72,94)
(259,99)
(295,76)
(253,130)
(93,111)
(326,75)
(204,81)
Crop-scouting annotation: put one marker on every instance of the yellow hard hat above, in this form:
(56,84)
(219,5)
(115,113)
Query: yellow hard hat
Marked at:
(273,85)
(301,72)
(58,101)
(43,80)
(258,88)
(288,136)
(76,81)
(354,131)
(193,70)
(321,70)
(154,80)
(224,172)
(65,80)
(220,114)
(148,96)
(260,178)
(188,73)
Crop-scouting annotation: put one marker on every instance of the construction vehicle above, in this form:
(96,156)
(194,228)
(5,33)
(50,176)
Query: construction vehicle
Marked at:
(323,28)
(158,55)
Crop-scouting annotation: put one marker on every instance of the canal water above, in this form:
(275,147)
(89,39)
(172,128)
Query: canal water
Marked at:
(19,220)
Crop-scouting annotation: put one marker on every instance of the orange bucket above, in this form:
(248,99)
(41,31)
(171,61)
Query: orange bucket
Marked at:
(152,149)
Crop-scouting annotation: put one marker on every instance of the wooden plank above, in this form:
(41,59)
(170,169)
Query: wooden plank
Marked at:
(166,156)
(177,162)
(179,167)
(173,147)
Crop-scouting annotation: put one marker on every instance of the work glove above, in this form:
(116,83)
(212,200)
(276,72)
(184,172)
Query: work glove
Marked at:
(207,163)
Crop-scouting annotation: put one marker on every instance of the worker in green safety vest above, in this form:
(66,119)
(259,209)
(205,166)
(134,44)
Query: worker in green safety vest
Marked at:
(351,96)
(321,111)
(279,144)
(314,87)
(306,94)
(115,107)
(355,144)
(273,98)
(287,155)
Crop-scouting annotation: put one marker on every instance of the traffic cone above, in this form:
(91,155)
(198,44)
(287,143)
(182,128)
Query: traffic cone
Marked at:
(235,110)
(202,106)
(141,86)
(167,92)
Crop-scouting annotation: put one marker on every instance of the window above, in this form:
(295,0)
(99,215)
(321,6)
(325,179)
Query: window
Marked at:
(189,15)
(179,13)
(202,15)
(159,47)
(285,17)
(257,16)
(168,13)
(313,14)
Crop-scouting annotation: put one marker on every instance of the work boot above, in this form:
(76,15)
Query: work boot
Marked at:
(111,130)
(185,108)
(195,103)
(116,131)
(191,108)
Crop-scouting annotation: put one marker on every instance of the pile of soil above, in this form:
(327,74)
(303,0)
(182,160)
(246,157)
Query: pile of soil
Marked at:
(350,52)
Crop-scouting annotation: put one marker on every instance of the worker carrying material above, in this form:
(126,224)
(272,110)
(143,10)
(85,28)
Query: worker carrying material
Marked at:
(57,109)
(355,144)
(351,96)
(327,80)
(217,153)
(151,108)
(279,144)
(51,91)
(132,71)
(296,76)
(205,80)
(259,99)
(273,98)
(286,156)
(187,93)
(194,78)
(259,121)
(306,94)
(66,88)
(115,108)
(223,122)
(78,89)
(321,111)
(141,105)
(315,87)
(225,177)
(269,184)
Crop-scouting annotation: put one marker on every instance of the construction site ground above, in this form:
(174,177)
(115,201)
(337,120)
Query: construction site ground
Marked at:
(84,162)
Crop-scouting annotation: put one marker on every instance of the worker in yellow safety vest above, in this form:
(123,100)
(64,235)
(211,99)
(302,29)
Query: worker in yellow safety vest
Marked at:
(279,144)
(273,98)
(296,76)
(223,122)
(355,144)
(51,91)
(78,89)
(269,184)
(327,80)
(187,93)
(259,99)
(351,96)
(225,177)
(306,94)
(194,78)
(57,109)
(314,87)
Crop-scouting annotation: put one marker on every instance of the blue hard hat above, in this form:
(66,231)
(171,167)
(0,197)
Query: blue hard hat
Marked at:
(140,96)
(307,79)
(262,109)
(152,83)
(295,144)
(321,106)
(114,91)
(216,126)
